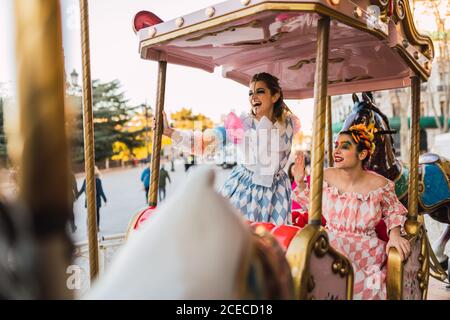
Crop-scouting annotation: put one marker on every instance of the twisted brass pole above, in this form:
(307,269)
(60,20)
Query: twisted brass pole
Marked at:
(411,225)
(157,134)
(89,152)
(320,100)
(44,165)
(329,133)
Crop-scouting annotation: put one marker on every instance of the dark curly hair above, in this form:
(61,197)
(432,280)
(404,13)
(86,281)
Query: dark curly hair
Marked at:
(290,175)
(279,109)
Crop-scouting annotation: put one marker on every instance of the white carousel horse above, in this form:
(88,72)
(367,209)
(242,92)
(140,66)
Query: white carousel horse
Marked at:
(192,247)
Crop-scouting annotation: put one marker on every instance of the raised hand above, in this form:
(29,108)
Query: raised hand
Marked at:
(299,167)
(167,130)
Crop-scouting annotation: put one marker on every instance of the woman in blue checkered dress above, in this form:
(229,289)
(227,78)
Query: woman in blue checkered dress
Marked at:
(258,186)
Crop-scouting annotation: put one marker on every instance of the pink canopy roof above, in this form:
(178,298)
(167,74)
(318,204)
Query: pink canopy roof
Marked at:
(280,37)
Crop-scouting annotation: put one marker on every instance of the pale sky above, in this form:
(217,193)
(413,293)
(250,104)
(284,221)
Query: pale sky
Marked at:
(114,55)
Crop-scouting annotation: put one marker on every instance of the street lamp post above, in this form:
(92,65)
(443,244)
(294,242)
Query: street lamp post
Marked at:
(74,88)
(74,78)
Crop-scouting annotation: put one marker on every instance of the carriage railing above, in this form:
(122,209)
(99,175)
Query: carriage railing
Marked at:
(408,280)
(107,247)
(436,270)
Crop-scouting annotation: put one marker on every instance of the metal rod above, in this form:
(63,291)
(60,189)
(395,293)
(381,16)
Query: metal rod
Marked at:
(329,135)
(411,225)
(44,176)
(320,100)
(89,152)
(157,134)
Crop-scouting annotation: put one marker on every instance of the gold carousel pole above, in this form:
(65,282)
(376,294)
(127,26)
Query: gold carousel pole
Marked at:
(411,225)
(329,134)
(157,134)
(320,101)
(89,152)
(44,167)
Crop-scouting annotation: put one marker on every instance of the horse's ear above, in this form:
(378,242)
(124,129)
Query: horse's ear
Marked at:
(355,98)
(367,96)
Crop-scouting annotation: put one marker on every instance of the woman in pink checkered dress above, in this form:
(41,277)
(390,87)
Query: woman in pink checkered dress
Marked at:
(354,202)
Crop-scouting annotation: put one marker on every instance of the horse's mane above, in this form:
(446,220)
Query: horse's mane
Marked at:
(383,160)
(368,97)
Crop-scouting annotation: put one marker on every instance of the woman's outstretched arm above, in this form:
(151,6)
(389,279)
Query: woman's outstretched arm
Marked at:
(192,142)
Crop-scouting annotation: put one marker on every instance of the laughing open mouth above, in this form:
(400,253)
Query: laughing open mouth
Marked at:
(255,106)
(338,159)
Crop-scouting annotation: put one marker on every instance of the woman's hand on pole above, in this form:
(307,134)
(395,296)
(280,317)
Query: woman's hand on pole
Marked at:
(167,130)
(398,242)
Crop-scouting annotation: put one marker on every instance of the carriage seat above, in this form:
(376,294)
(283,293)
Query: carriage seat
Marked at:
(284,233)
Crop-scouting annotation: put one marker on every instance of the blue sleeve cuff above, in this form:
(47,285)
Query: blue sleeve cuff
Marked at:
(221,134)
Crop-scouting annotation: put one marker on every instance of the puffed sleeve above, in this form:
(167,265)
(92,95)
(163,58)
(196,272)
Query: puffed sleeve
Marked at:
(295,123)
(393,211)
(183,140)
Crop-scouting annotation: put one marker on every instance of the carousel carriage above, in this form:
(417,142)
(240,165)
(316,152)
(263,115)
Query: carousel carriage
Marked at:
(317,48)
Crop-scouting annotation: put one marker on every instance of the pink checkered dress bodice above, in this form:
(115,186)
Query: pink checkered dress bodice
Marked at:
(351,220)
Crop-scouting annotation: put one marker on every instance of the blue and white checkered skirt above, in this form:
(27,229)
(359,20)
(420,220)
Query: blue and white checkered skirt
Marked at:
(256,202)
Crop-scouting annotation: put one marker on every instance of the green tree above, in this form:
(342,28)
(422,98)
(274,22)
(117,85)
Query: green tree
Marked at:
(111,113)
(185,119)
(74,115)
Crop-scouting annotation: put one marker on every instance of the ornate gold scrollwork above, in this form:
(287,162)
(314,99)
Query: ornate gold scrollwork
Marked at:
(299,64)
(425,262)
(302,62)
(421,277)
(421,187)
(312,243)
(356,78)
(335,81)
(311,284)
(400,9)
(336,266)
(341,266)
(420,258)
(252,24)
(273,38)
(321,246)
(380,3)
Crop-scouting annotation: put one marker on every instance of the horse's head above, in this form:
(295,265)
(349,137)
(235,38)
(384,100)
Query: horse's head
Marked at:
(361,112)
(383,160)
